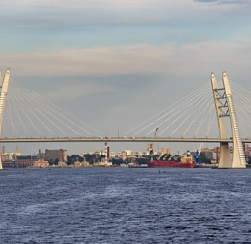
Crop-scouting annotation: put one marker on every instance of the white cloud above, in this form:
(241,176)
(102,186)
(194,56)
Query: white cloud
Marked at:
(73,91)
(225,1)
(87,4)
(104,4)
(202,57)
(52,14)
(96,61)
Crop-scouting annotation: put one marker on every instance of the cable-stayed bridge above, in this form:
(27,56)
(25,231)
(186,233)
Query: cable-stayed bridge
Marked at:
(28,117)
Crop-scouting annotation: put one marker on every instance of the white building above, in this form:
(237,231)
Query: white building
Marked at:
(112,154)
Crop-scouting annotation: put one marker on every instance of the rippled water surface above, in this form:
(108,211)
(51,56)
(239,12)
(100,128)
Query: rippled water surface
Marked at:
(102,205)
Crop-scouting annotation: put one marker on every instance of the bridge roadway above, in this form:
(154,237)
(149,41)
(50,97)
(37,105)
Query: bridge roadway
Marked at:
(118,139)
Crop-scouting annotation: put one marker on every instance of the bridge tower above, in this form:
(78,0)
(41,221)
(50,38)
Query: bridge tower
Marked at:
(4,89)
(225,108)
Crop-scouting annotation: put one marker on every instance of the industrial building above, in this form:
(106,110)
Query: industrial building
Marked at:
(56,154)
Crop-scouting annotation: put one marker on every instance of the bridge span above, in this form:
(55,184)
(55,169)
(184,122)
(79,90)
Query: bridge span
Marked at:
(120,139)
(32,119)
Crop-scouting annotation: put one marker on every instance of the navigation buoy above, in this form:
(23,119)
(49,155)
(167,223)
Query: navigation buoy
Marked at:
(23,172)
(67,168)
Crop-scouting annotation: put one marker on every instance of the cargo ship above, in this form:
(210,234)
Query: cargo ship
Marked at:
(168,161)
(185,161)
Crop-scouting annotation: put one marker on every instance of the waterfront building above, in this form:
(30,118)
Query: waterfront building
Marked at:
(40,155)
(247,151)
(77,164)
(62,164)
(56,154)
(145,153)
(96,154)
(128,152)
(138,154)
(215,155)
(7,156)
(112,154)
(40,163)
(24,163)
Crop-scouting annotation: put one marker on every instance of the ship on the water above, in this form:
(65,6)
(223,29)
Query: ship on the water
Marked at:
(183,161)
(169,161)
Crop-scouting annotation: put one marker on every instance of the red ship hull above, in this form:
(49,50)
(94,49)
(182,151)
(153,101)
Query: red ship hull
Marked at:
(170,164)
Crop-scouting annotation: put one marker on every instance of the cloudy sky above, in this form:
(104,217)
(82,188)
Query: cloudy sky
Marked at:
(113,64)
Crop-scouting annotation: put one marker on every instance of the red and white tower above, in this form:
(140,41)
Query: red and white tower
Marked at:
(106,153)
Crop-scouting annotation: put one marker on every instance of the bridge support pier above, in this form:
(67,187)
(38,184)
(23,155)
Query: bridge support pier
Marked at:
(3,95)
(225,158)
(223,100)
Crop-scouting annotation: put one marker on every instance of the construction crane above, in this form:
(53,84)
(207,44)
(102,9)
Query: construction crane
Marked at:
(197,156)
(16,152)
(150,146)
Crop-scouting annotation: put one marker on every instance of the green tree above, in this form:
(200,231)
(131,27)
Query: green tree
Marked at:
(117,161)
(56,161)
(90,158)
(249,160)
(51,162)
(73,158)
(142,160)
(204,159)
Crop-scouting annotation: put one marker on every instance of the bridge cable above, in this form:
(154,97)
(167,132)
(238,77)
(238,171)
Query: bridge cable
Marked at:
(178,102)
(38,111)
(195,118)
(242,105)
(19,104)
(203,119)
(174,111)
(183,111)
(240,108)
(48,112)
(204,115)
(46,109)
(49,107)
(12,123)
(29,107)
(16,111)
(57,107)
(199,114)
(210,121)
(240,88)
(191,108)
(4,132)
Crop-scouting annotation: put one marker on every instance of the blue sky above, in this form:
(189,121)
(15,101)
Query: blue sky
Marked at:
(113,47)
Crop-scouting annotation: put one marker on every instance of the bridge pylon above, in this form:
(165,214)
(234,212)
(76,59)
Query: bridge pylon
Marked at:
(4,89)
(225,108)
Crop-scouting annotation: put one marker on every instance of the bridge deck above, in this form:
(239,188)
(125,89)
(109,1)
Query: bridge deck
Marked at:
(118,139)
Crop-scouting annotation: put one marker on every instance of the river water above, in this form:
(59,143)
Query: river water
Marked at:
(116,205)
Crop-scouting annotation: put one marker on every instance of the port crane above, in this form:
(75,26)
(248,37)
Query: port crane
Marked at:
(197,156)
(150,147)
